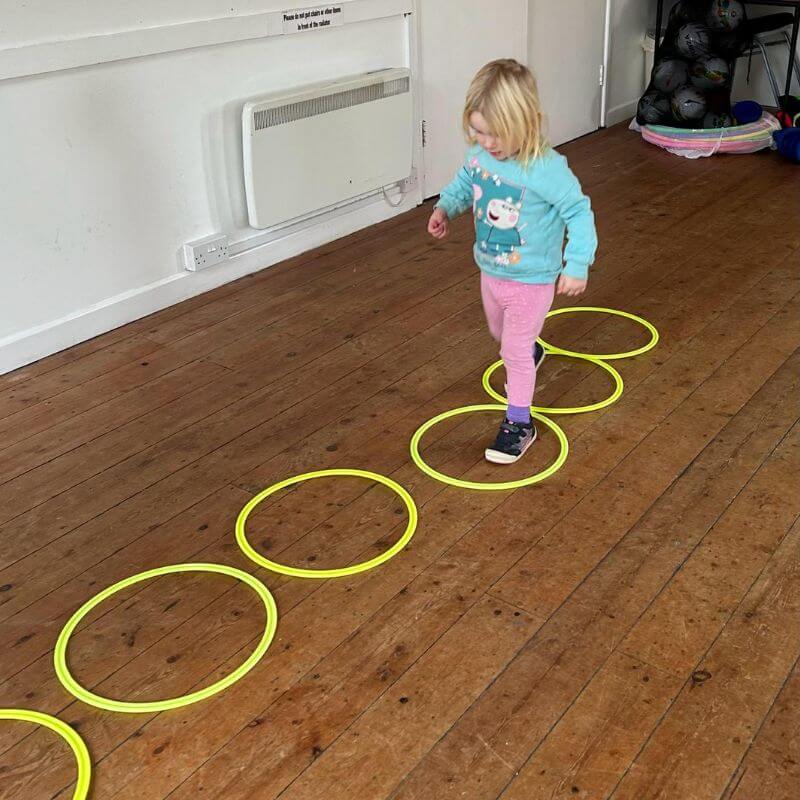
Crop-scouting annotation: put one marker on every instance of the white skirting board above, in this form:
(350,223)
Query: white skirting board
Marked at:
(621,113)
(32,344)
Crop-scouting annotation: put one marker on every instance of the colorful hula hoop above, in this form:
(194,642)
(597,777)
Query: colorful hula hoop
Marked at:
(92,699)
(604,356)
(487,487)
(340,572)
(610,400)
(68,734)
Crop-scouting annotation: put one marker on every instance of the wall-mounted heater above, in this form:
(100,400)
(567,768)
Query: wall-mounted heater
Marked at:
(316,146)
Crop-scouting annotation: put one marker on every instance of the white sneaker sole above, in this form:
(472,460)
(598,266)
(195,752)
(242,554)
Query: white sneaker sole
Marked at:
(496,457)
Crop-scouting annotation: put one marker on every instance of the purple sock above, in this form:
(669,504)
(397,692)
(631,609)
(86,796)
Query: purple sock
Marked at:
(519,414)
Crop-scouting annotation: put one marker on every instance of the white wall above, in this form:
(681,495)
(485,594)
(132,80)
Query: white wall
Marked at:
(629,23)
(108,169)
(36,21)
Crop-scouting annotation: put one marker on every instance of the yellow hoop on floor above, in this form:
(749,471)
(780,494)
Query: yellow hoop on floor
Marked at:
(146,707)
(488,487)
(616,394)
(68,734)
(340,572)
(604,356)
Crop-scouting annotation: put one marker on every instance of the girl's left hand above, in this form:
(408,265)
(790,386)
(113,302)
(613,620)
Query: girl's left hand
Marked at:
(572,287)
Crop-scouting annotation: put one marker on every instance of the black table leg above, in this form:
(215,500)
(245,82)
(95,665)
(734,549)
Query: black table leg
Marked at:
(659,20)
(792,51)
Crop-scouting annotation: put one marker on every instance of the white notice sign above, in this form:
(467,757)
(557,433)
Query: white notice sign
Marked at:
(312,19)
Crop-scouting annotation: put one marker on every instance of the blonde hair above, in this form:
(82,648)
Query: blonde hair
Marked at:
(505,92)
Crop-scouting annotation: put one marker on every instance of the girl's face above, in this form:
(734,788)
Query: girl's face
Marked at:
(486,139)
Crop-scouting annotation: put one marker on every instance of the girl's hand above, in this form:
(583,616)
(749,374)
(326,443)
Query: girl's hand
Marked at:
(572,287)
(438,224)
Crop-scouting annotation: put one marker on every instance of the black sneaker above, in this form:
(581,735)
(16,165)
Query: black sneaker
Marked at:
(538,354)
(513,439)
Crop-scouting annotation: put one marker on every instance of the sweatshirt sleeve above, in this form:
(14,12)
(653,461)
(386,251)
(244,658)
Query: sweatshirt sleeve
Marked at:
(558,185)
(457,196)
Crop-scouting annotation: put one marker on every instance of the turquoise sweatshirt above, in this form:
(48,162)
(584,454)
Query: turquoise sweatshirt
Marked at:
(521,215)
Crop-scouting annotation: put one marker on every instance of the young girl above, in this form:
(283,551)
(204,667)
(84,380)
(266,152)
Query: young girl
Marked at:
(523,196)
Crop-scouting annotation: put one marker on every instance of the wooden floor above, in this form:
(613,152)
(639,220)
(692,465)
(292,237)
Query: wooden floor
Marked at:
(629,629)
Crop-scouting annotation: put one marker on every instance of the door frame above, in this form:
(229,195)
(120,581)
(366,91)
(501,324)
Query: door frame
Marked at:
(606,62)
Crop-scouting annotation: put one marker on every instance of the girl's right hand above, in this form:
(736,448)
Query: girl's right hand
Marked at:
(438,224)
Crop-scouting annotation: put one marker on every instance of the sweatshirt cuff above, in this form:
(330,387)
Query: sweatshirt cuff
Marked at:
(576,270)
(446,207)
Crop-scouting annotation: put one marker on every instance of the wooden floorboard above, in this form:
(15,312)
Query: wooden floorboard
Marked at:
(771,767)
(313,265)
(627,629)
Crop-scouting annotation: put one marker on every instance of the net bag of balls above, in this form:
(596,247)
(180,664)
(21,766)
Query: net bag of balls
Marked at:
(690,85)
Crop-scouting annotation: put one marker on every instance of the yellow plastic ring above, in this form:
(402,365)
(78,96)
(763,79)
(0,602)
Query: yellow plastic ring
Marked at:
(68,734)
(340,572)
(604,356)
(488,487)
(147,707)
(617,393)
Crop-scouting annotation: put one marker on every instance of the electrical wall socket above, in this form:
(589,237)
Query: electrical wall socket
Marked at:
(205,253)
(410,183)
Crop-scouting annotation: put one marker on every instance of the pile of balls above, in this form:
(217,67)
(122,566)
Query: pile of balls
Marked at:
(691,82)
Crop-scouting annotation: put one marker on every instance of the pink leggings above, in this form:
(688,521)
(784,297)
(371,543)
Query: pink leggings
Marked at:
(515,312)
